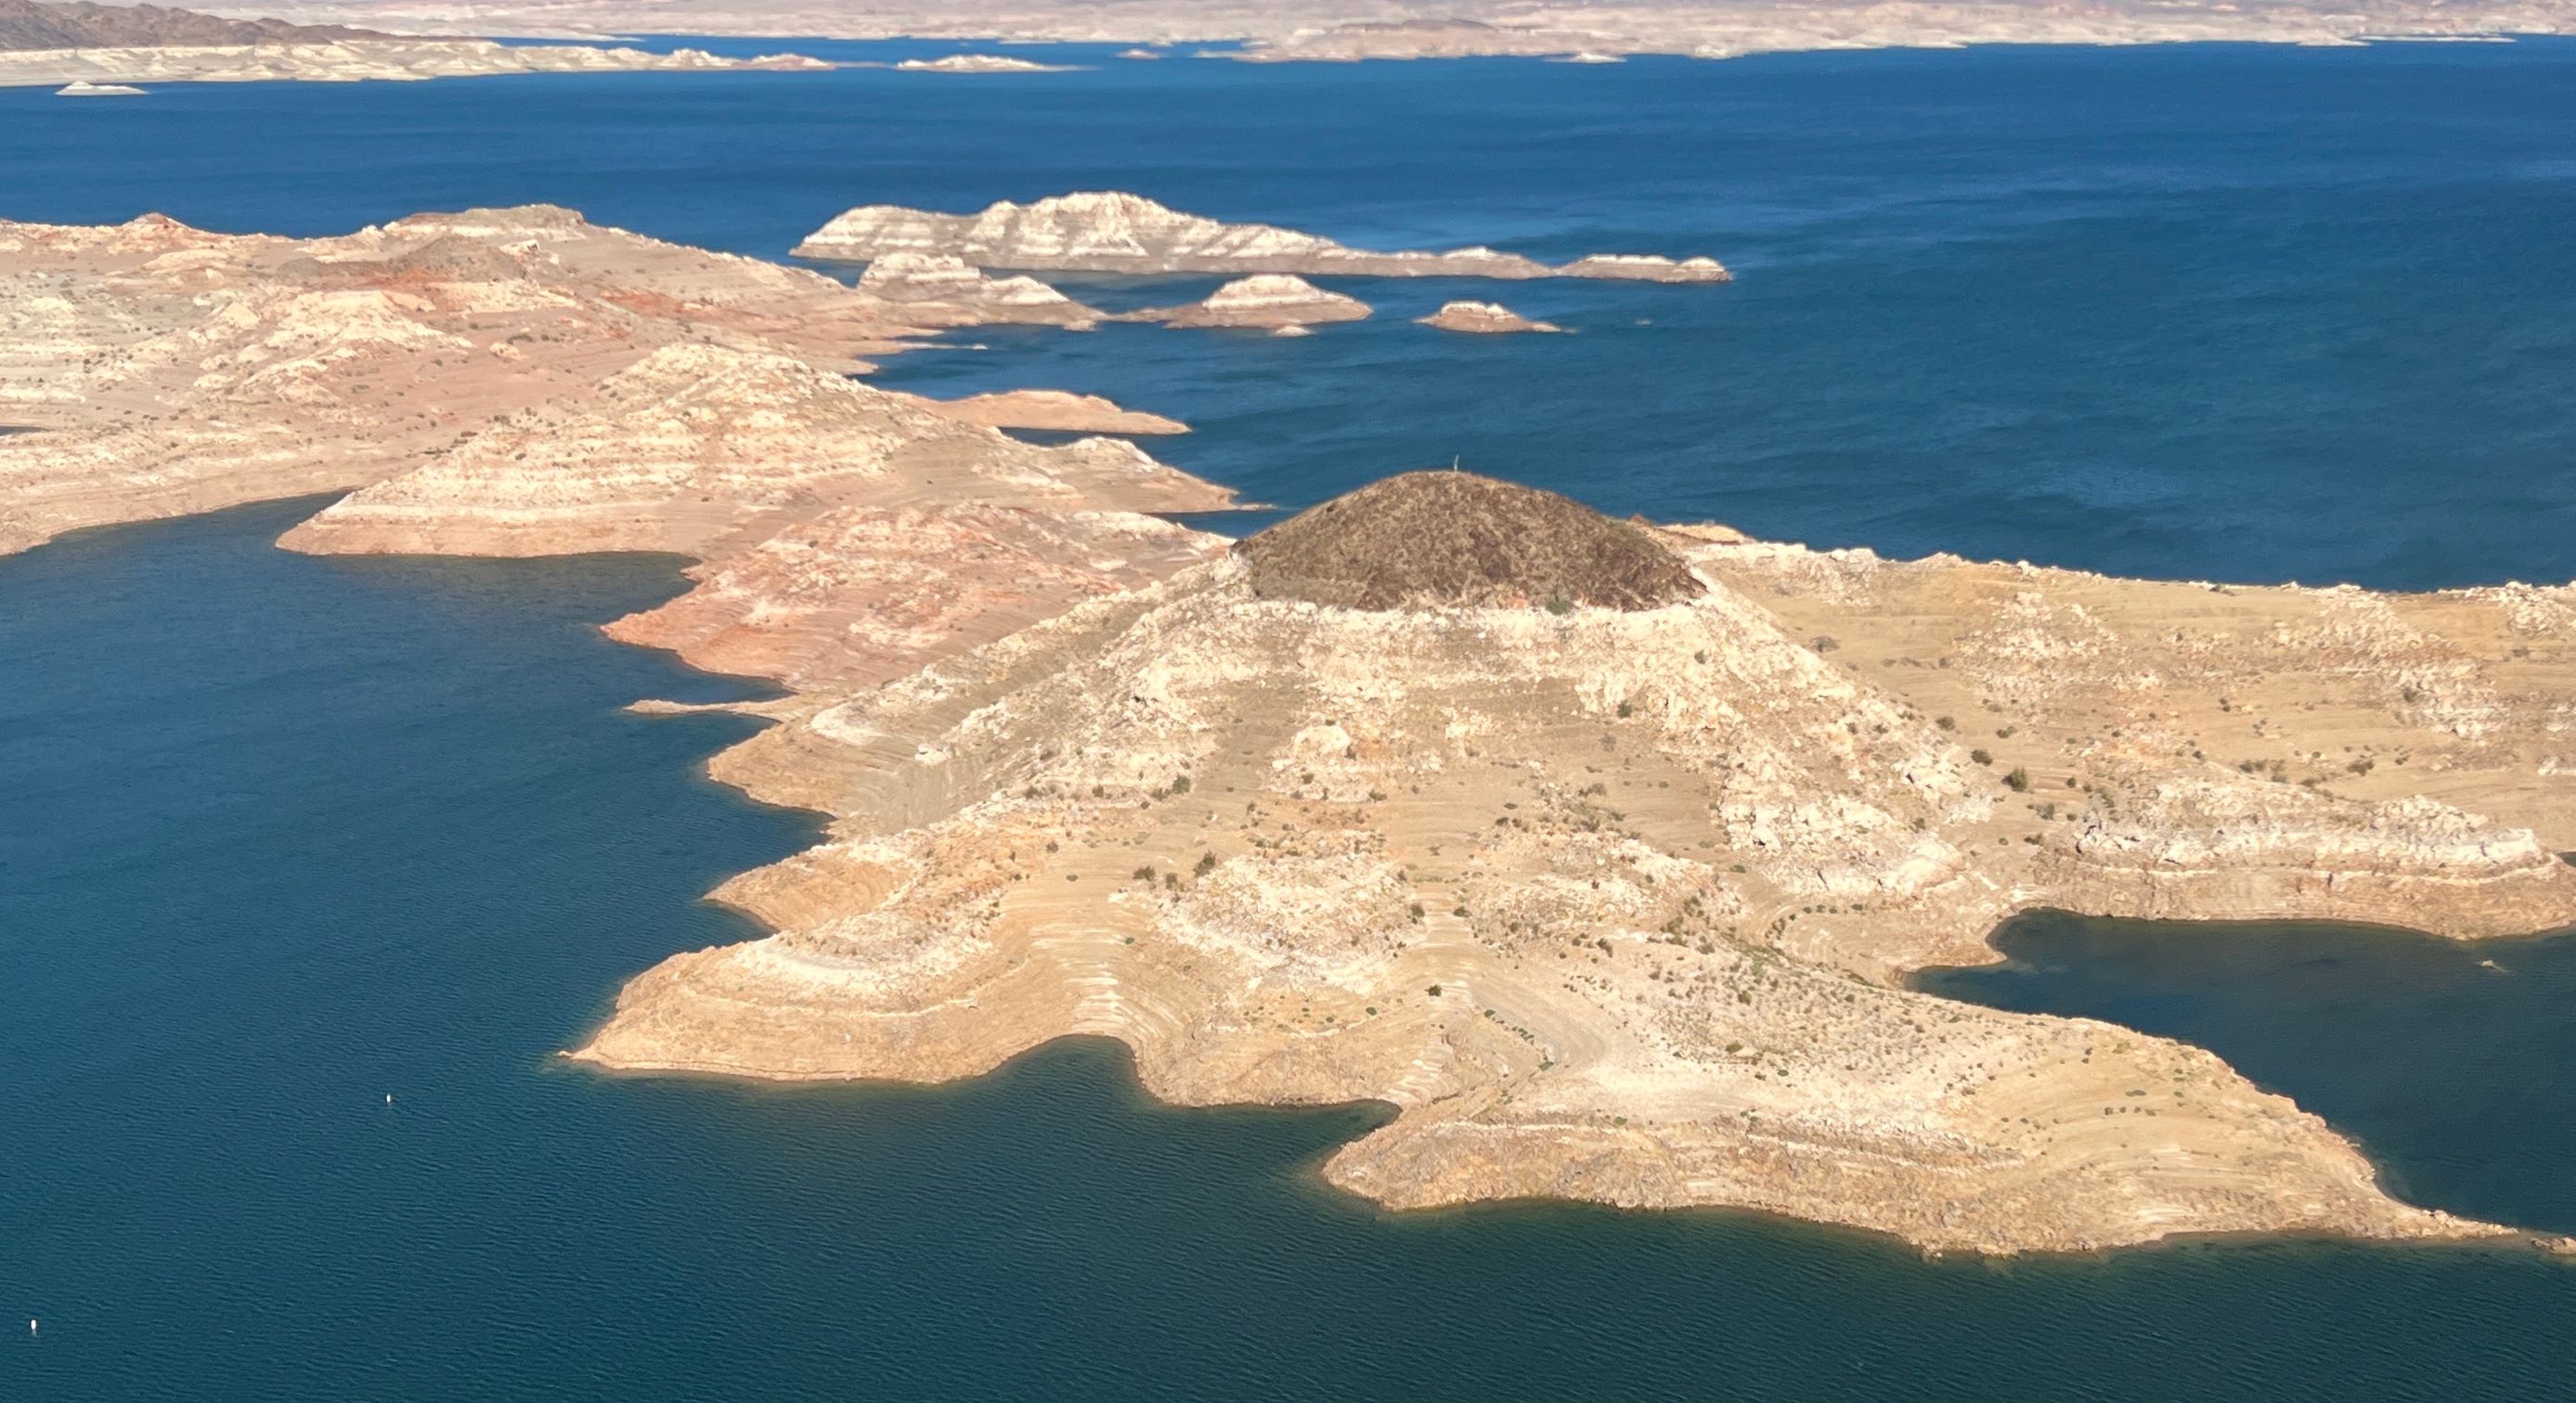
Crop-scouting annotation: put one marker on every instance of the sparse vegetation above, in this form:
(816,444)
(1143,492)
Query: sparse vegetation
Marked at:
(1454,538)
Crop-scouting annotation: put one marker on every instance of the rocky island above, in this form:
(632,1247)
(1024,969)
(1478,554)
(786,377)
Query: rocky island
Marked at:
(1483,318)
(95,50)
(1601,850)
(1113,232)
(1277,301)
(980,63)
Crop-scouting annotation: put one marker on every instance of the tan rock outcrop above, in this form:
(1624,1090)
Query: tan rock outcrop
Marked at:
(1600,850)
(952,291)
(1646,268)
(1483,318)
(864,595)
(1615,903)
(1267,300)
(980,63)
(170,370)
(1114,232)
(1054,410)
(702,450)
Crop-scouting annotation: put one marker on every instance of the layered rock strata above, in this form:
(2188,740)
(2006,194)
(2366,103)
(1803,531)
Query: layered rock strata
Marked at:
(980,63)
(1274,301)
(1056,411)
(1599,850)
(1111,232)
(579,387)
(949,290)
(1484,319)
(1588,847)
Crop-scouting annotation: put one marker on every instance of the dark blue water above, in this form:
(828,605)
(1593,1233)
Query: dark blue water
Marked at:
(279,836)
(2446,1061)
(282,835)
(2230,312)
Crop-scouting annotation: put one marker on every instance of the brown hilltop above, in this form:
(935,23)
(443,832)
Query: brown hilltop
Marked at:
(1434,539)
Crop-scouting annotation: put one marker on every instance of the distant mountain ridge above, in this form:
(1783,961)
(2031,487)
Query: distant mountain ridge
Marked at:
(29,25)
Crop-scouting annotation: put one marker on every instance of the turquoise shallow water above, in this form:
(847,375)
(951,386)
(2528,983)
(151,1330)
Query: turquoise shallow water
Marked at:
(281,836)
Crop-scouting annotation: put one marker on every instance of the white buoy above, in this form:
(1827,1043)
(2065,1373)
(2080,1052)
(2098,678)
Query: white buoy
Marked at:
(389,1098)
(31,1327)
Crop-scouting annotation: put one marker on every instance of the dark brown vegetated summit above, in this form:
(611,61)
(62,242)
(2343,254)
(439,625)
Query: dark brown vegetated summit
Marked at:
(1434,539)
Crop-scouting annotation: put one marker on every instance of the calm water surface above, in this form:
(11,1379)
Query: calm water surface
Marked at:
(2447,1061)
(285,835)
(282,836)
(2214,311)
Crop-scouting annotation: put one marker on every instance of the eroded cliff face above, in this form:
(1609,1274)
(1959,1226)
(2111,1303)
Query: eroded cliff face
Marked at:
(1116,232)
(945,289)
(2199,750)
(1615,903)
(516,381)
(1055,411)
(1599,850)
(865,595)
(705,450)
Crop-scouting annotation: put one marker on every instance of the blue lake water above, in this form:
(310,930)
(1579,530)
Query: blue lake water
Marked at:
(2228,312)
(281,836)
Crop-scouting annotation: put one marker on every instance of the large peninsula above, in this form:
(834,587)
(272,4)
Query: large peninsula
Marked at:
(1601,850)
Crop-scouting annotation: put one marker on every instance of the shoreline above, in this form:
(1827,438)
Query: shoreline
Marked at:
(1353,31)
(1610,897)
(1163,1088)
(2474,1235)
(111,69)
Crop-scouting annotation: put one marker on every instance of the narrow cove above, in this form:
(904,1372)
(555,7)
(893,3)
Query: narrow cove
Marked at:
(2443,1059)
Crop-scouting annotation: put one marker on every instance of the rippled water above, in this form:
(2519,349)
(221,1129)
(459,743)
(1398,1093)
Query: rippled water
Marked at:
(282,836)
